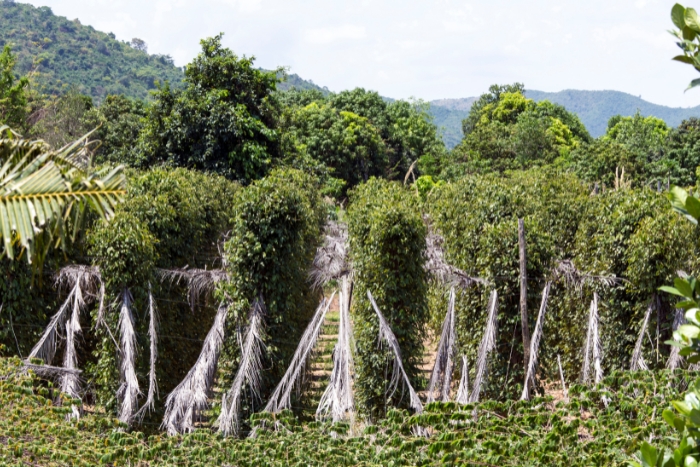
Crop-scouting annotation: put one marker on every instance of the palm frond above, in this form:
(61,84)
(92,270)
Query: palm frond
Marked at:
(249,371)
(398,374)
(40,188)
(153,338)
(563,381)
(535,345)
(488,343)
(337,400)
(567,271)
(593,350)
(200,282)
(675,359)
(128,391)
(441,376)
(637,362)
(190,397)
(330,261)
(70,383)
(463,390)
(437,266)
(282,396)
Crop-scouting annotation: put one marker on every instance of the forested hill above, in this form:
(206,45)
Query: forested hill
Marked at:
(594,108)
(64,53)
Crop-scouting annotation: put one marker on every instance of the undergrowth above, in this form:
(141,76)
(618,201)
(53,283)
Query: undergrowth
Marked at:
(582,432)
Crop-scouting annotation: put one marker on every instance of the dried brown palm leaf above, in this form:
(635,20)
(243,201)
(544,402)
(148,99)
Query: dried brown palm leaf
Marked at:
(441,377)
(398,374)
(637,362)
(437,266)
(129,391)
(184,404)
(249,372)
(153,338)
(200,282)
(282,396)
(535,345)
(488,343)
(331,260)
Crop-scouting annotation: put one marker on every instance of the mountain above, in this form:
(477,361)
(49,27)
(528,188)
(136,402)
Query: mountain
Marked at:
(62,53)
(594,108)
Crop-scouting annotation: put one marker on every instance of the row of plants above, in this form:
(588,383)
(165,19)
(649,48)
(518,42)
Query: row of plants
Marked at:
(582,430)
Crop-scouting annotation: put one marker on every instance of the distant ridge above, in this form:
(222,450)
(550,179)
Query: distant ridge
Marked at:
(594,108)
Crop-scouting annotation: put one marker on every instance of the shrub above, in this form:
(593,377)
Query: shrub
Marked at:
(387,241)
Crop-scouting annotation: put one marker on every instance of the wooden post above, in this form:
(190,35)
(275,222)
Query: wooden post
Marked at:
(523,293)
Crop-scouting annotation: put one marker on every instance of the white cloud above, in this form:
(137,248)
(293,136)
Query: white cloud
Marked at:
(334,34)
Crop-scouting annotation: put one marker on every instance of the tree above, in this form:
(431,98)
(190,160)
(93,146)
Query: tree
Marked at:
(688,34)
(224,121)
(62,120)
(13,100)
(119,120)
(494,95)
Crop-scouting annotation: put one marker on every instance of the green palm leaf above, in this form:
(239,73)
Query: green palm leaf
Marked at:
(42,190)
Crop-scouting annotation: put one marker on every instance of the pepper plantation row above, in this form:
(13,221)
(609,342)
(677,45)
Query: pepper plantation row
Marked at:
(200,302)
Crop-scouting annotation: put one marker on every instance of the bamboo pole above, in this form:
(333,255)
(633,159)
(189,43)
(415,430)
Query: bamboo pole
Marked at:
(523,294)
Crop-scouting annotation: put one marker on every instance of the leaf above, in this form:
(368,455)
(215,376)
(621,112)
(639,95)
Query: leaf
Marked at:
(691,19)
(692,205)
(678,15)
(695,82)
(684,287)
(688,34)
(649,455)
(671,290)
(684,59)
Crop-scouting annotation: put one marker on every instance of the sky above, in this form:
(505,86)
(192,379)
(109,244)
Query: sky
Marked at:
(421,49)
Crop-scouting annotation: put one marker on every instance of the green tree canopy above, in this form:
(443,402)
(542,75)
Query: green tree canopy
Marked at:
(224,121)
(13,100)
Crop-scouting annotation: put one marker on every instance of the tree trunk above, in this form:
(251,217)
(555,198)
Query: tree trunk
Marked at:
(523,293)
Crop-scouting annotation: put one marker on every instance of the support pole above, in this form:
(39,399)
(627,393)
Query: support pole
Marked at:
(523,293)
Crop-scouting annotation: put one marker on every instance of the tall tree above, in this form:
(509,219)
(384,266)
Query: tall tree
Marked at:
(224,121)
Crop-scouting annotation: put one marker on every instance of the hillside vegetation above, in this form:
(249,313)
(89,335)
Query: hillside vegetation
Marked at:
(60,53)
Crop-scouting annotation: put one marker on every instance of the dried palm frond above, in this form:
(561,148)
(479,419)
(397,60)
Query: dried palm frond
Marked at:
(566,270)
(70,383)
(249,371)
(597,344)
(337,400)
(463,391)
(637,362)
(282,396)
(674,359)
(535,345)
(488,343)
(200,282)
(45,348)
(153,338)
(48,371)
(398,373)
(436,266)
(129,391)
(330,261)
(190,397)
(594,347)
(441,377)
(83,282)
(565,393)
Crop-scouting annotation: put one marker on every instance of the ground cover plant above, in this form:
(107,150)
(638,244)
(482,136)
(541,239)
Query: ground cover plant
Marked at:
(578,432)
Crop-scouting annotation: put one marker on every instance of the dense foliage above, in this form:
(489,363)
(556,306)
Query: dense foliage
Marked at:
(628,234)
(348,137)
(387,241)
(580,432)
(64,54)
(276,228)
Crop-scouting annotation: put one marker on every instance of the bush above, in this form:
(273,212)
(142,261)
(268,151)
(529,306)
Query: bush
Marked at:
(276,228)
(387,241)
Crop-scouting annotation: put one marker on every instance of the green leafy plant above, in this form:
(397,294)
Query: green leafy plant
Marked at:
(688,33)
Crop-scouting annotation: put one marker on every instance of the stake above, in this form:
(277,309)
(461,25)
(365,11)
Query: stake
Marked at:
(563,383)
(523,293)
